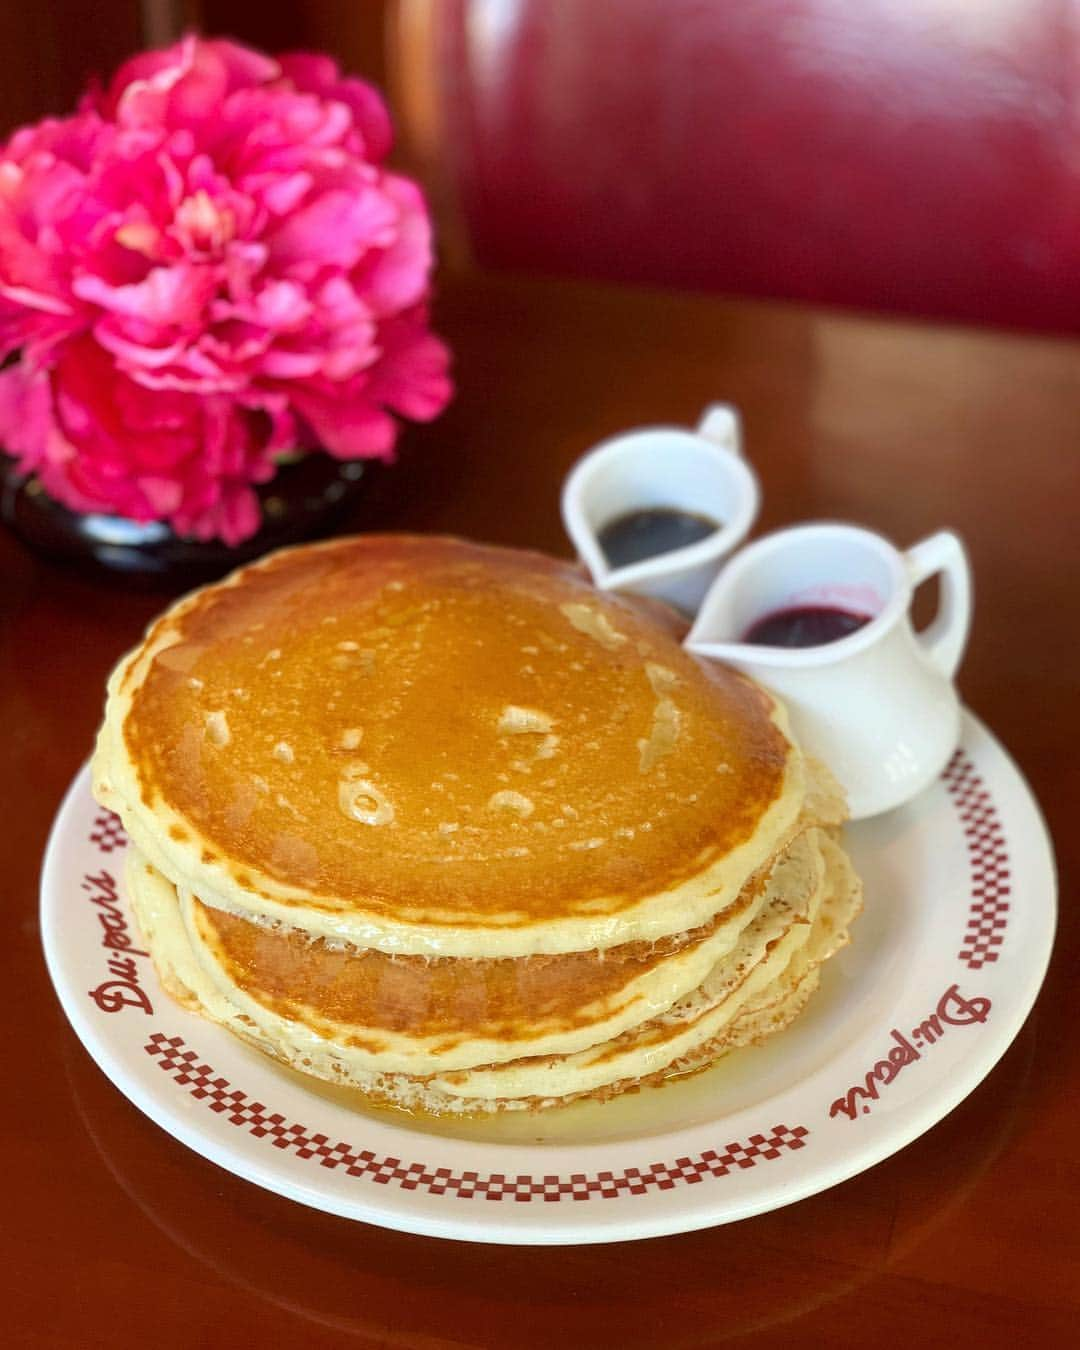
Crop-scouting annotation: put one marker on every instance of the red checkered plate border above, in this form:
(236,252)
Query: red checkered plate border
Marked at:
(944,966)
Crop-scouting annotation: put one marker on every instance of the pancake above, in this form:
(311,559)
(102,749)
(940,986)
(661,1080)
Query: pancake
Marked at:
(427,746)
(411,1014)
(754,992)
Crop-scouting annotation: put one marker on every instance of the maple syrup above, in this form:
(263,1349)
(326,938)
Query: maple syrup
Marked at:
(637,535)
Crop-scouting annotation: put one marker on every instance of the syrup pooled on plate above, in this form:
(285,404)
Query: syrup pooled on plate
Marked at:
(637,535)
(805,626)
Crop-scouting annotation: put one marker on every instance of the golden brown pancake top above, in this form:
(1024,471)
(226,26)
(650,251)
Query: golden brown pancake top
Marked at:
(424,726)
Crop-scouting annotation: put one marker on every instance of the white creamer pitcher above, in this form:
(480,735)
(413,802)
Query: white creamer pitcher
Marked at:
(878,706)
(700,472)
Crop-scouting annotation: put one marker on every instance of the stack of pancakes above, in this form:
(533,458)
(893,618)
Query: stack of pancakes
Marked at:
(447,825)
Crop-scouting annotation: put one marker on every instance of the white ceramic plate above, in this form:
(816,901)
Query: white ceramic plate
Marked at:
(945,964)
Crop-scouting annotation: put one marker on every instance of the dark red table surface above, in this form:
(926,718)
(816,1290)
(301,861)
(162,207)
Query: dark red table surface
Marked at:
(115,1235)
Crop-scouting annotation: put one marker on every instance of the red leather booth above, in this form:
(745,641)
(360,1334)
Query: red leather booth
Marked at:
(909,155)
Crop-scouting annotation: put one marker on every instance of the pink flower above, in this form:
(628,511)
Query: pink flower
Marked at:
(208,264)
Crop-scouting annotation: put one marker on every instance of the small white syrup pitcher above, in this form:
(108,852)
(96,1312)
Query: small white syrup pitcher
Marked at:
(700,473)
(878,706)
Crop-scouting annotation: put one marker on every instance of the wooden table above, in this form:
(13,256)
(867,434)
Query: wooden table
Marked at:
(115,1235)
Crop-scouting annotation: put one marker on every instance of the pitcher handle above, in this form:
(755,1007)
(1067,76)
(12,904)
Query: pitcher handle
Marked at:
(720,424)
(944,641)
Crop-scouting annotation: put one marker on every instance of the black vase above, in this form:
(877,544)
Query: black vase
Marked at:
(307,498)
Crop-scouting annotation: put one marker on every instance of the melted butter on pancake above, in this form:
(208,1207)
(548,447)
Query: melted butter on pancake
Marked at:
(478,680)
(592,621)
(666,718)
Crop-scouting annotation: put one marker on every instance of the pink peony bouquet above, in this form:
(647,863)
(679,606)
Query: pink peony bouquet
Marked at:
(206,268)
